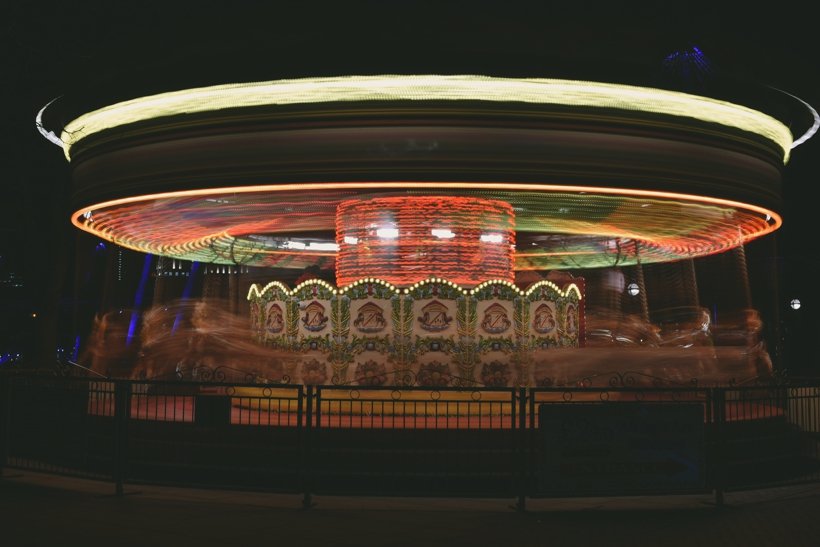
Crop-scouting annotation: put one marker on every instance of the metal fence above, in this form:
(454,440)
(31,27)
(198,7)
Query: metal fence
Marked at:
(409,441)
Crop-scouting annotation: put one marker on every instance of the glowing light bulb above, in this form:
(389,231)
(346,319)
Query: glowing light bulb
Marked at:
(387,233)
(492,238)
(443,233)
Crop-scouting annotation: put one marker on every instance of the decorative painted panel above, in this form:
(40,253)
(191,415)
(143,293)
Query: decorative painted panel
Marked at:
(440,340)
(371,313)
(434,333)
(498,330)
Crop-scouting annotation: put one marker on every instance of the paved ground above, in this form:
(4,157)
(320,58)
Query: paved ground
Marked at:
(38,509)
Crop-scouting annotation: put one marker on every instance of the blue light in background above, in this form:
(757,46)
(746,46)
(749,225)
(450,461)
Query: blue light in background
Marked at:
(75,351)
(186,293)
(687,68)
(138,296)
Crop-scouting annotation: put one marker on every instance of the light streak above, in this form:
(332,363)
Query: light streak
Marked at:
(397,88)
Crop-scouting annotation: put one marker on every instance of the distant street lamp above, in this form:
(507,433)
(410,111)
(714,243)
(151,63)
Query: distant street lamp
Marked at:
(633,289)
(795,304)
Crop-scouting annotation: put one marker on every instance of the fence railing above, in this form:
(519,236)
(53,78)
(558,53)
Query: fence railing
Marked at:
(410,441)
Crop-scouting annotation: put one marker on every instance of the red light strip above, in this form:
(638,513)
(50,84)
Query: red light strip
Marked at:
(406,239)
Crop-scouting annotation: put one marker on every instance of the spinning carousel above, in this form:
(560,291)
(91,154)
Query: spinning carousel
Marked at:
(428,195)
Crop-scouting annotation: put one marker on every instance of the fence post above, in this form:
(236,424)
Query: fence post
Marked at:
(719,466)
(307,452)
(122,412)
(523,450)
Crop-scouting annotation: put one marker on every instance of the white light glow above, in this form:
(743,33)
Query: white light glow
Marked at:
(316,246)
(443,233)
(38,121)
(815,120)
(388,233)
(492,238)
(350,240)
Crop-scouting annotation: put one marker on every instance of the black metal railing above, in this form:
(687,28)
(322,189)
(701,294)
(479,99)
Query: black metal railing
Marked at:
(515,442)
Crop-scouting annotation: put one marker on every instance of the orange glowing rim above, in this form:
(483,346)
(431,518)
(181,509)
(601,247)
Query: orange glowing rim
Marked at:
(646,222)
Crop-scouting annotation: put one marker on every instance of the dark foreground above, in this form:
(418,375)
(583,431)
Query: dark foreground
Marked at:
(38,509)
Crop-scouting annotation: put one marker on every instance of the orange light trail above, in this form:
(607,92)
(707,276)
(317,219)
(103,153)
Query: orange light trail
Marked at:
(463,239)
(226,225)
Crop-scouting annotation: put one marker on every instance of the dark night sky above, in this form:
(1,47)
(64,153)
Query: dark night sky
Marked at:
(49,49)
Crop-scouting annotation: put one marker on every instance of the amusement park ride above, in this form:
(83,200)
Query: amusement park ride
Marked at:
(430,196)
